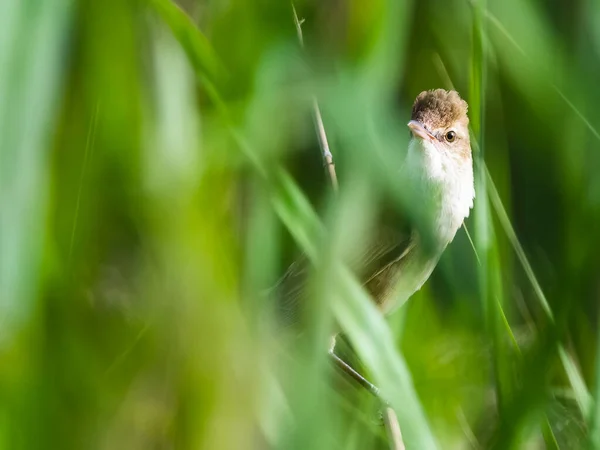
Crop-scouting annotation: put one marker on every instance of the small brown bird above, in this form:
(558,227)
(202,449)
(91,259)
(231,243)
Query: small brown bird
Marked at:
(439,171)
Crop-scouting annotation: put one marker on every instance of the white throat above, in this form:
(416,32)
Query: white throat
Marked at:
(445,179)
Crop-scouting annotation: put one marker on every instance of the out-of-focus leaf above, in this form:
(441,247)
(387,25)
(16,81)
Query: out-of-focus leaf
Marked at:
(365,326)
(594,420)
(508,229)
(373,341)
(32,45)
(193,41)
(581,393)
(536,58)
(297,214)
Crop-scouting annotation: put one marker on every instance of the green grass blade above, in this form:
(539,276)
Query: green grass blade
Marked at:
(30,85)
(512,236)
(594,420)
(519,48)
(578,384)
(373,341)
(582,395)
(359,318)
(196,45)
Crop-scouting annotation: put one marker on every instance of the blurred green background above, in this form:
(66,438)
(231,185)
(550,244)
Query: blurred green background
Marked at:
(159,169)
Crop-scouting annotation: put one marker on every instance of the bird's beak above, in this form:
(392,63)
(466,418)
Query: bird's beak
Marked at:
(419,130)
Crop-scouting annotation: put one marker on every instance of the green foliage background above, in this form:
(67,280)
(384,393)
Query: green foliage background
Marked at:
(159,170)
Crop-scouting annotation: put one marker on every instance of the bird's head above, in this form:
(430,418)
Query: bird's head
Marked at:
(440,130)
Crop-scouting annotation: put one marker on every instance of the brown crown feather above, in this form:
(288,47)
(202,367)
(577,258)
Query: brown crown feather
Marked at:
(439,108)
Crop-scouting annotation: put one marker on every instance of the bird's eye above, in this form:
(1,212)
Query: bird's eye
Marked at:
(450,136)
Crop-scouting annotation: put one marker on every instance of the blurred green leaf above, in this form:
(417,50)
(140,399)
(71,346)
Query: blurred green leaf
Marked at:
(33,42)
(365,326)
(594,417)
(196,45)
(373,341)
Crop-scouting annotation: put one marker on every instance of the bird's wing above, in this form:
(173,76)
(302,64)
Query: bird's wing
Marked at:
(382,253)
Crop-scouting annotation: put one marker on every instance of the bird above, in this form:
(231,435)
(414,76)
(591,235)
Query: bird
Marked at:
(438,169)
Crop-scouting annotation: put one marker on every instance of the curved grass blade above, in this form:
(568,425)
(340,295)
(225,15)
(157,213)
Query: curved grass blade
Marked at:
(364,324)
(372,339)
(199,50)
(581,392)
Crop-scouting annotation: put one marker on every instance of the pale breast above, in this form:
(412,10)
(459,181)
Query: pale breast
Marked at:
(445,182)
